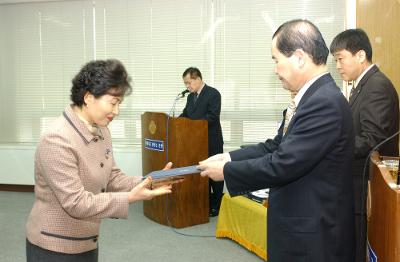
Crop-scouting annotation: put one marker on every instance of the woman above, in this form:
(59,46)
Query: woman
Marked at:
(77,182)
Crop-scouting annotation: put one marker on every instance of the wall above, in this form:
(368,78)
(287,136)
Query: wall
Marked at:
(381,20)
(16,163)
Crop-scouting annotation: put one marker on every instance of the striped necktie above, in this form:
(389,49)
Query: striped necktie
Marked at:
(352,91)
(290,111)
(352,85)
(195,97)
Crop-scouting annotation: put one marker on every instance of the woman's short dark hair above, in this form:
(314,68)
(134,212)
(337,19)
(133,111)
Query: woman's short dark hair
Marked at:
(100,77)
(301,34)
(352,40)
(193,72)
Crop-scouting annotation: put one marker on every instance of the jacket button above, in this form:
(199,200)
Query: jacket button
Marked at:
(101,164)
(103,190)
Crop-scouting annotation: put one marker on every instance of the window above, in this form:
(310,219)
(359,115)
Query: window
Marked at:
(46,43)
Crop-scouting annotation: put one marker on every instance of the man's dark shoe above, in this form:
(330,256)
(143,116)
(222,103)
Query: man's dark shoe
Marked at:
(213,212)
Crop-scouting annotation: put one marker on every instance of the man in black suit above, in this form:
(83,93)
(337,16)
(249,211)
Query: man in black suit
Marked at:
(310,213)
(204,102)
(375,109)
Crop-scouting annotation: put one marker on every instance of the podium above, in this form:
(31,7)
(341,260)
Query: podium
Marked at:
(384,211)
(183,142)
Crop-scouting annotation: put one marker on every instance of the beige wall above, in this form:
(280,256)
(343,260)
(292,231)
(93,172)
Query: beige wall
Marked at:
(381,20)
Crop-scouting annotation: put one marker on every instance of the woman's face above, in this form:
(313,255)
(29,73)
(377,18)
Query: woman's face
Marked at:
(102,110)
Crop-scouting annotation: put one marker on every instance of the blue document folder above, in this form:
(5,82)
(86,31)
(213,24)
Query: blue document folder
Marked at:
(174,172)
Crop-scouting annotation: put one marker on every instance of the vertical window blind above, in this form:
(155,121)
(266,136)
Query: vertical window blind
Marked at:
(44,44)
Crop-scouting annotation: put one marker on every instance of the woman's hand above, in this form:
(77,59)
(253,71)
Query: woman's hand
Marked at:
(168,181)
(148,189)
(168,166)
(144,191)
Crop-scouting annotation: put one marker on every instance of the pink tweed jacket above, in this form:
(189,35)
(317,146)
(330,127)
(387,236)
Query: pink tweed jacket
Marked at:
(77,183)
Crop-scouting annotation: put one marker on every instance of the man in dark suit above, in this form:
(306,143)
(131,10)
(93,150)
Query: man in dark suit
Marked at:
(375,109)
(310,213)
(204,102)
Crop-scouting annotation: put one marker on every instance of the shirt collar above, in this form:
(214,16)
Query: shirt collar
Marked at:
(304,89)
(362,75)
(80,126)
(94,129)
(198,92)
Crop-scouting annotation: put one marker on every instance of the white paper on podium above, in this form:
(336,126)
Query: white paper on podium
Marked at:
(174,172)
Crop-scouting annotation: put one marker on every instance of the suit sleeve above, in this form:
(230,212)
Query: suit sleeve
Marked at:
(376,112)
(314,134)
(213,108)
(120,182)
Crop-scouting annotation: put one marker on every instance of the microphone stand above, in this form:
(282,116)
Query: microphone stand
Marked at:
(364,174)
(179,96)
(174,105)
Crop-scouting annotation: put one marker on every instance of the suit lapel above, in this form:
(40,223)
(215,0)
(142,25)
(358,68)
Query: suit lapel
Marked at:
(362,82)
(326,78)
(199,97)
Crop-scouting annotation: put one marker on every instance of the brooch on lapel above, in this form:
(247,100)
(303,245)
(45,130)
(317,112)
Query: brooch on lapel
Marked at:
(108,153)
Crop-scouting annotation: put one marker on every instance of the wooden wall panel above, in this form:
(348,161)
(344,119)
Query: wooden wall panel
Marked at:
(381,20)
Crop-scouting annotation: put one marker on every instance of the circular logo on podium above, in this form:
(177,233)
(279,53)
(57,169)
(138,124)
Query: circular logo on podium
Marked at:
(152,127)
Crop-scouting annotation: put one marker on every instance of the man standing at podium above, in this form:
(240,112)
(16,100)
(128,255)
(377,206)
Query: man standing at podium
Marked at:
(204,102)
(310,206)
(375,110)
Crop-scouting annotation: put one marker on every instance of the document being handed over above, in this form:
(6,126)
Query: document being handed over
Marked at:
(174,173)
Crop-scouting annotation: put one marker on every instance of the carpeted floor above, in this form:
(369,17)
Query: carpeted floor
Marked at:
(134,239)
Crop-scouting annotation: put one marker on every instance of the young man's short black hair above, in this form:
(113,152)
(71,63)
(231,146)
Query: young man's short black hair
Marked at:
(100,77)
(352,40)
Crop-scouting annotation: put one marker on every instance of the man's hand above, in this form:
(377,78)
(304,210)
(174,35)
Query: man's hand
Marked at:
(225,157)
(212,169)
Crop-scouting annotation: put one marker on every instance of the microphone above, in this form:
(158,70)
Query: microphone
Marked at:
(183,93)
(374,149)
(179,96)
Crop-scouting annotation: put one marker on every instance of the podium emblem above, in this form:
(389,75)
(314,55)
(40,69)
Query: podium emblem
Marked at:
(152,127)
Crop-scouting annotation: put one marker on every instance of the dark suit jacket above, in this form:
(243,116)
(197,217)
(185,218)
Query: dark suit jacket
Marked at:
(375,111)
(207,107)
(310,213)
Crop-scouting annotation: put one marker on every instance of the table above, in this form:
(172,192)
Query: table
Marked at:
(244,221)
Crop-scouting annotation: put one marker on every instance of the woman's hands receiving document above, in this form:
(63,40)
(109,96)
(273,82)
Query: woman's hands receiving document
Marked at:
(213,167)
(150,188)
